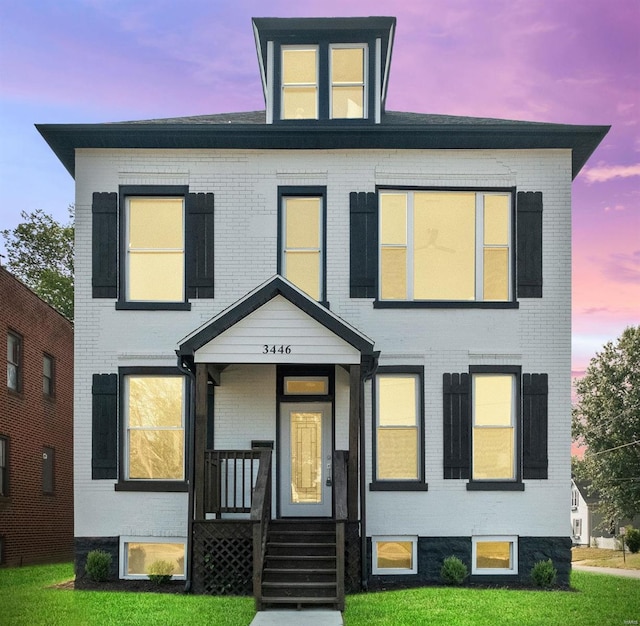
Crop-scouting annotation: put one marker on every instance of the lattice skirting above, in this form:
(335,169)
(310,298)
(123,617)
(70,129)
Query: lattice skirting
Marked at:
(223,558)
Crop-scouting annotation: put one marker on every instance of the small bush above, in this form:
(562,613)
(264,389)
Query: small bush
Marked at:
(160,572)
(543,574)
(98,565)
(632,539)
(453,571)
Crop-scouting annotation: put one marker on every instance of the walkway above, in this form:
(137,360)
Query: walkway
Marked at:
(612,571)
(291,617)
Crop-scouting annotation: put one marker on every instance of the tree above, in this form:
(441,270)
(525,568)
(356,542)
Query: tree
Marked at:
(40,254)
(607,418)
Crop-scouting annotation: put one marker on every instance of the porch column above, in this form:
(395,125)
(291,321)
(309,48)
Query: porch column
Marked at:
(355,410)
(200,437)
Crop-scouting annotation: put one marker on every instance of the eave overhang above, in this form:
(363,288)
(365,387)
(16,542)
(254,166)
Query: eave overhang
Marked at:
(65,139)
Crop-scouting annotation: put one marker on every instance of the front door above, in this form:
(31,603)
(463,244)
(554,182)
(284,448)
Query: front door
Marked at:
(306,459)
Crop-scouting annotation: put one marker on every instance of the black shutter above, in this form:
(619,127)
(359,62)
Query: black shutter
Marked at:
(529,244)
(363,208)
(199,245)
(534,425)
(104,444)
(457,425)
(104,232)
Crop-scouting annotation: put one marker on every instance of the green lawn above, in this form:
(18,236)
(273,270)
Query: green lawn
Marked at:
(26,597)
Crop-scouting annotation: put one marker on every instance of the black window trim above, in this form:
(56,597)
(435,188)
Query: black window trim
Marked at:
(420,483)
(20,363)
(498,485)
(305,191)
(124,192)
(125,484)
(455,304)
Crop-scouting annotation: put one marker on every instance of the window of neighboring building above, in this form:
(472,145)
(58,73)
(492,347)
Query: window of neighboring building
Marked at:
(398,443)
(494,555)
(574,498)
(155,264)
(48,371)
(154,427)
(299,82)
(494,427)
(138,554)
(14,361)
(445,246)
(4,468)
(395,555)
(48,467)
(302,240)
(348,71)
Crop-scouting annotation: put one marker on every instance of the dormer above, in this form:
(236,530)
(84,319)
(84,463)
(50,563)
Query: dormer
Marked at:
(324,70)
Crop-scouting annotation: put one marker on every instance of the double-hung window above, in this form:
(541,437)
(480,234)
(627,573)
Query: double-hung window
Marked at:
(48,370)
(398,429)
(154,408)
(302,239)
(348,71)
(4,468)
(447,246)
(14,362)
(299,99)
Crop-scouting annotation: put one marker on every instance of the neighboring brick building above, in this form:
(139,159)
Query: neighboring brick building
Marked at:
(36,429)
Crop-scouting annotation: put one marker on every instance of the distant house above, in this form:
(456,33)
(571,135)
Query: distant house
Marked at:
(36,429)
(323,346)
(587,528)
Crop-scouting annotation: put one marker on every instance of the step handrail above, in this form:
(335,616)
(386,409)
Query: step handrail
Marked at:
(260,516)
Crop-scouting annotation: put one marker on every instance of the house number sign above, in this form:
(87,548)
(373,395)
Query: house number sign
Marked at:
(276,349)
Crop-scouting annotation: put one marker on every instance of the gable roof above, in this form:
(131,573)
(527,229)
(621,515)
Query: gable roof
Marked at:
(397,130)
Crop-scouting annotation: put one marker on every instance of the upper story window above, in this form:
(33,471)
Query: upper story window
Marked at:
(445,246)
(14,362)
(348,91)
(4,467)
(48,370)
(300,83)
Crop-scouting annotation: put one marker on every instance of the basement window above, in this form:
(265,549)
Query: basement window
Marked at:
(395,555)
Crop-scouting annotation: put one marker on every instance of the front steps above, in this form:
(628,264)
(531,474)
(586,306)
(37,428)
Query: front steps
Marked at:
(300,566)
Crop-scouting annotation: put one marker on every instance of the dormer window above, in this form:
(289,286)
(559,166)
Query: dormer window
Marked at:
(300,83)
(348,71)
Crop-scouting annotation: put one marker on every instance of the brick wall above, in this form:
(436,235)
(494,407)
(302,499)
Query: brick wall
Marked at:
(36,527)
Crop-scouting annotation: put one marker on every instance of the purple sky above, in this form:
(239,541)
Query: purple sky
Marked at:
(566,61)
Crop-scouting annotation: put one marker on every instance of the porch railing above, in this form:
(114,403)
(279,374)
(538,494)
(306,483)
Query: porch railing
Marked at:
(260,516)
(229,479)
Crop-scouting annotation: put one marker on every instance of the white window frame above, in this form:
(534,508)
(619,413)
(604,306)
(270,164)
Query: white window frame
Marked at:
(365,61)
(394,571)
(479,243)
(490,571)
(574,499)
(127,429)
(282,83)
(577,527)
(127,539)
(129,249)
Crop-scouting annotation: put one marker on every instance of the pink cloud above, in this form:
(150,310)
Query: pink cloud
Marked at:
(604,173)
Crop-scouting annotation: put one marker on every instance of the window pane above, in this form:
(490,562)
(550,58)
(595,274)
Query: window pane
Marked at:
(496,220)
(47,366)
(156,454)
(306,457)
(393,218)
(299,66)
(302,223)
(496,274)
(394,555)
(493,399)
(396,400)
(155,223)
(493,555)
(444,246)
(141,555)
(493,454)
(393,274)
(397,453)
(156,276)
(299,103)
(155,401)
(347,102)
(303,270)
(12,376)
(306,386)
(347,65)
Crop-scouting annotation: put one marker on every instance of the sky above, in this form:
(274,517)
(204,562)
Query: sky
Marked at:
(563,61)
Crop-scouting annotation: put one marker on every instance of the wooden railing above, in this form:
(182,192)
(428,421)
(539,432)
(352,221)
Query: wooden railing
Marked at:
(229,479)
(260,516)
(340,458)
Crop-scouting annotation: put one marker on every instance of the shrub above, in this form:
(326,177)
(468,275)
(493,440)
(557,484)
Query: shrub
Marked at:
(160,572)
(98,565)
(632,539)
(543,574)
(453,571)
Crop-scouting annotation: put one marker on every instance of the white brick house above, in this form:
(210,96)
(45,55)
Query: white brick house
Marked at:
(371,313)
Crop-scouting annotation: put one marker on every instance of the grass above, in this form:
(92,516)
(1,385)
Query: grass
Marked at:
(599,557)
(27,597)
